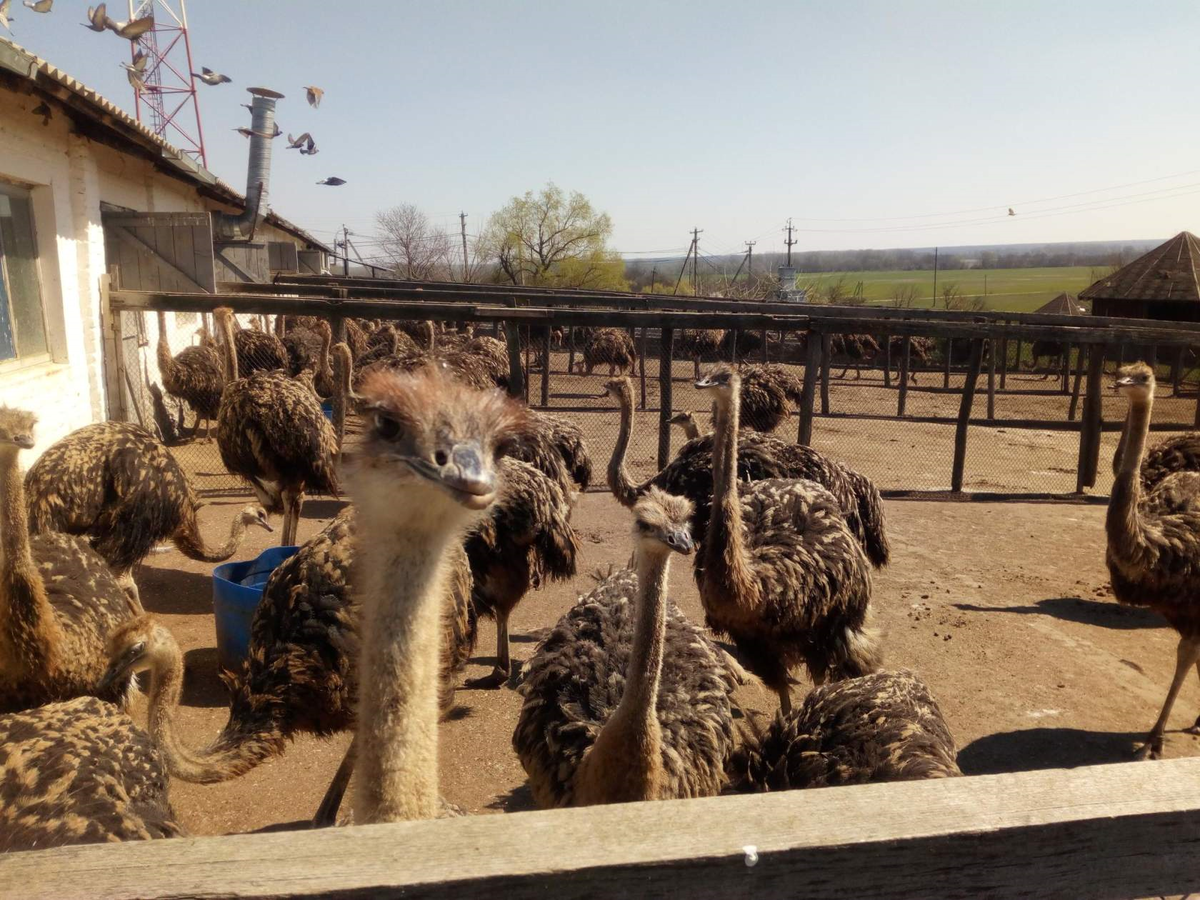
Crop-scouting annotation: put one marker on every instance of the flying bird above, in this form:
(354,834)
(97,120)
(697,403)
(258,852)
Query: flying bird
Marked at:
(314,95)
(5,6)
(43,110)
(209,77)
(310,149)
(133,29)
(298,142)
(332,181)
(41,6)
(97,18)
(1010,211)
(134,73)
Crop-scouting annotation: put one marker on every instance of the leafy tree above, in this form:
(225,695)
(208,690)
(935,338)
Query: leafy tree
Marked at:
(552,239)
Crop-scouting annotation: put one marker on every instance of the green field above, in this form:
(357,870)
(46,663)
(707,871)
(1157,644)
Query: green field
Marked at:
(1011,290)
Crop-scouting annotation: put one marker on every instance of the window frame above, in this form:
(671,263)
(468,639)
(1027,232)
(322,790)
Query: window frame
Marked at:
(40,357)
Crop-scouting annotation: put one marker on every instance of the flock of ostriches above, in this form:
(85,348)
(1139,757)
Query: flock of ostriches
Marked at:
(461,503)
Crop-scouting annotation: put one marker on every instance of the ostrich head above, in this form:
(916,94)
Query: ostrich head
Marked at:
(16,428)
(683,419)
(722,381)
(432,447)
(662,523)
(1135,381)
(254,514)
(618,388)
(137,645)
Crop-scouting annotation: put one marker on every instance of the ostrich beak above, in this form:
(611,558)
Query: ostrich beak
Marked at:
(1122,382)
(680,541)
(24,441)
(461,471)
(119,669)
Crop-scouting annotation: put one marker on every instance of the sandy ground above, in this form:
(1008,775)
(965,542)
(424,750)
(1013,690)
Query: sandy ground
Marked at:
(1002,608)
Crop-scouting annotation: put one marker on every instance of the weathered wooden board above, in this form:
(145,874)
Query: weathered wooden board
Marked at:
(161,251)
(242,261)
(1117,831)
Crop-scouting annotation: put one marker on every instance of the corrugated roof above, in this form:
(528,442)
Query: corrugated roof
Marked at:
(1063,305)
(17,59)
(1168,272)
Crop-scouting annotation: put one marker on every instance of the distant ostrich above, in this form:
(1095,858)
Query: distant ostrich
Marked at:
(747,343)
(527,539)
(118,486)
(856,348)
(880,727)
(194,376)
(612,347)
(699,345)
(495,352)
(357,337)
(426,475)
(60,599)
(1049,350)
(421,331)
(1153,553)
(779,571)
(271,431)
(686,422)
(258,351)
(626,699)
(388,342)
(302,342)
(80,772)
(920,352)
(760,457)
(766,394)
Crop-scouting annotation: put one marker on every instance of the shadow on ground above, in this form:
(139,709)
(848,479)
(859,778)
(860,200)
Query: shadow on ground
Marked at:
(1046,748)
(1076,609)
(174,592)
(202,686)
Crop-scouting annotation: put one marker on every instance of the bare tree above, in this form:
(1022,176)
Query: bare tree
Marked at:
(904,296)
(411,245)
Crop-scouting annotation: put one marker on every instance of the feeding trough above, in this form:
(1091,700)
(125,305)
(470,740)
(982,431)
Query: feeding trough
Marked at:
(237,590)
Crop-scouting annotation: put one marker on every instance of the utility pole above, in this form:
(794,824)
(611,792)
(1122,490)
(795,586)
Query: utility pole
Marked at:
(789,242)
(345,251)
(462,218)
(696,232)
(750,258)
(935,261)
(683,268)
(653,275)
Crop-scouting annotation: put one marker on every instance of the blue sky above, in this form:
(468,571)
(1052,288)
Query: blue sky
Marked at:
(867,122)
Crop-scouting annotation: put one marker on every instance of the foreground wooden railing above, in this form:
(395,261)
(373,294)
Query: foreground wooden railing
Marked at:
(1118,831)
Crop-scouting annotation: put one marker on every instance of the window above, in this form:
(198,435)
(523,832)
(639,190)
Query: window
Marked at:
(22,320)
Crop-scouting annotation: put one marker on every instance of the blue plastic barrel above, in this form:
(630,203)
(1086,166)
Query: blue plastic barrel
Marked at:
(327,408)
(237,590)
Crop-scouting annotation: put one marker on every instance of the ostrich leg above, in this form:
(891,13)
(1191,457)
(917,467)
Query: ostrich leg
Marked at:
(327,812)
(1187,654)
(291,517)
(503,668)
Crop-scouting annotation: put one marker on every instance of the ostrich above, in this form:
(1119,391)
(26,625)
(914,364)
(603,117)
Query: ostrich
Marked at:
(856,348)
(612,347)
(766,391)
(390,343)
(258,351)
(759,457)
(121,488)
(272,432)
(699,345)
(421,331)
(880,727)
(426,475)
(687,424)
(627,700)
(747,343)
(59,598)
(1153,553)
(1177,454)
(1049,350)
(356,337)
(779,570)
(556,434)
(527,539)
(80,772)
(193,376)
(302,342)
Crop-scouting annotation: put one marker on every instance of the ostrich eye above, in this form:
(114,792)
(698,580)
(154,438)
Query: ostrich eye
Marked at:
(386,427)
(505,448)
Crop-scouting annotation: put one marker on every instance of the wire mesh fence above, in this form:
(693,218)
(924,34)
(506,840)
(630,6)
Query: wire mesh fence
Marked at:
(898,430)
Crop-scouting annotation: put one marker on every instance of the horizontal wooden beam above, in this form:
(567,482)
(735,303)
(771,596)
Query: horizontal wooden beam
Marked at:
(1129,830)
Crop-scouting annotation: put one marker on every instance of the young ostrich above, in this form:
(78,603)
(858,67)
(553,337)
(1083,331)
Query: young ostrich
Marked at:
(766,392)
(117,485)
(526,540)
(80,772)
(627,700)
(556,436)
(194,376)
(272,432)
(881,727)
(1176,454)
(58,598)
(612,347)
(425,476)
(258,351)
(759,457)
(1153,553)
(687,424)
(779,570)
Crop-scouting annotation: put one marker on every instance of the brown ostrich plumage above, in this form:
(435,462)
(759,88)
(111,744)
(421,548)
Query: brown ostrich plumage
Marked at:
(854,349)
(690,474)
(780,571)
(767,395)
(118,486)
(880,727)
(258,351)
(612,347)
(271,431)
(421,331)
(195,375)
(526,540)
(357,337)
(747,343)
(1153,551)
(620,706)
(80,772)
(699,345)
(555,434)
(385,343)
(1175,454)
(59,598)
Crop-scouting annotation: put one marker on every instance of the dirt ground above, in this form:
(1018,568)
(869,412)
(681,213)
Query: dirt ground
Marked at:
(1002,608)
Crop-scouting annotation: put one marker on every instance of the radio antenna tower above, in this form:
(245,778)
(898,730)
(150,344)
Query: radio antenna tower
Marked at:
(168,105)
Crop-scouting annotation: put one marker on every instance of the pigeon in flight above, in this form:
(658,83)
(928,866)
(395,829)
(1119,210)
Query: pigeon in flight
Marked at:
(43,110)
(295,143)
(133,29)
(332,181)
(310,149)
(209,77)
(314,95)
(135,71)
(41,6)
(97,18)
(5,6)
(1010,211)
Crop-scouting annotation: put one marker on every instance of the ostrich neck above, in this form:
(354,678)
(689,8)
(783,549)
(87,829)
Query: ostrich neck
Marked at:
(619,481)
(404,577)
(1122,441)
(726,560)
(191,543)
(30,623)
(323,359)
(231,366)
(163,350)
(1123,520)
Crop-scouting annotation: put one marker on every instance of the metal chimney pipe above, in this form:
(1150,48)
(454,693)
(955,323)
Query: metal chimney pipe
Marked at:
(227,227)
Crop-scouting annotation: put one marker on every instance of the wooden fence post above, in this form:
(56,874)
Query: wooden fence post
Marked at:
(905,359)
(825,364)
(1074,405)
(665,355)
(949,357)
(964,414)
(1003,361)
(1017,361)
(1089,429)
(570,349)
(516,374)
(1065,368)
(812,364)
(528,345)
(991,398)
(643,367)
(887,360)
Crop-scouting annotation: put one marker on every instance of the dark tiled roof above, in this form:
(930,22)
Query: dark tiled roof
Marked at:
(1168,272)
(1063,305)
